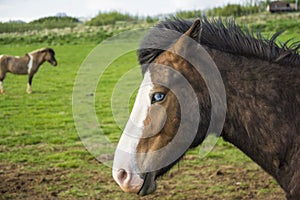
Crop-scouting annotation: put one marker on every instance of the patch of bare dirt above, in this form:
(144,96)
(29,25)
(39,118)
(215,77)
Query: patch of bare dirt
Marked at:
(17,183)
(187,181)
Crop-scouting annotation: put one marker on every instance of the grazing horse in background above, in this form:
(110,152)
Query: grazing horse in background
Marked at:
(262,84)
(28,64)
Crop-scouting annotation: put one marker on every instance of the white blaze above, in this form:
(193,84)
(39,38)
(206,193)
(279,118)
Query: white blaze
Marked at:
(30,63)
(142,102)
(126,149)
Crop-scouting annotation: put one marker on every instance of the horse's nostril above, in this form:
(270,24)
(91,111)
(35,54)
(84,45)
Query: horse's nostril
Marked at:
(122,175)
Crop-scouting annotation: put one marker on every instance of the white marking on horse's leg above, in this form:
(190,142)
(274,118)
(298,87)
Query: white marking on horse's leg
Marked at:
(30,63)
(28,90)
(1,88)
(125,154)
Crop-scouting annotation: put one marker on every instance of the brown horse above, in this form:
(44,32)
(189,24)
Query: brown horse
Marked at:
(28,64)
(176,105)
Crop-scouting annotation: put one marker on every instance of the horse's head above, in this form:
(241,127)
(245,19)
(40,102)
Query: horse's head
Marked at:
(49,56)
(164,122)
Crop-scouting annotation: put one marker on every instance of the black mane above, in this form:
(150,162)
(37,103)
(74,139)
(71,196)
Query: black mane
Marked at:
(222,35)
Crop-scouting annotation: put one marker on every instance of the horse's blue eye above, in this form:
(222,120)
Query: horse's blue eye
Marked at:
(157,97)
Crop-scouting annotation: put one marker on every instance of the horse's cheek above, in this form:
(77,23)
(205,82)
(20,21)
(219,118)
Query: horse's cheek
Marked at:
(158,117)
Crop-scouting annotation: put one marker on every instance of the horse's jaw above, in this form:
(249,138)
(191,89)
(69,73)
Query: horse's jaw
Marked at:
(149,185)
(53,62)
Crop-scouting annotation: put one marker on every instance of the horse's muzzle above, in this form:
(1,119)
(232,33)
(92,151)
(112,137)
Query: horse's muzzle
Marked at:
(53,62)
(128,181)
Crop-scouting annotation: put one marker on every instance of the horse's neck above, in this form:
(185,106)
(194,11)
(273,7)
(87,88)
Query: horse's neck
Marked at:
(260,102)
(232,71)
(37,61)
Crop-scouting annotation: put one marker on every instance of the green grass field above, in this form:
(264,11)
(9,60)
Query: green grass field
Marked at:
(42,156)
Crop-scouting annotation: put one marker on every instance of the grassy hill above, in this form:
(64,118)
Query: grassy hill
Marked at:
(66,30)
(267,22)
(39,24)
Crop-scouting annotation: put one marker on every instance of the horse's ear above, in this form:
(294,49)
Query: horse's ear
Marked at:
(183,43)
(195,30)
(47,50)
(51,51)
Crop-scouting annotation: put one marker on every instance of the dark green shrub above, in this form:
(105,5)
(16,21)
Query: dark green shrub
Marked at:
(105,18)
